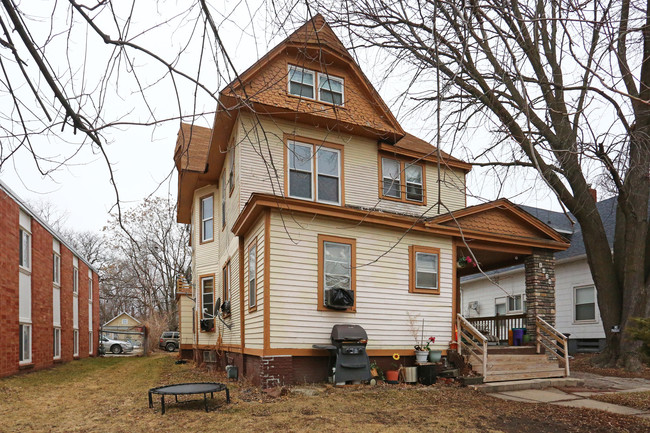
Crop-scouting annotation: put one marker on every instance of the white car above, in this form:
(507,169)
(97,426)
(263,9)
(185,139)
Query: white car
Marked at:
(115,346)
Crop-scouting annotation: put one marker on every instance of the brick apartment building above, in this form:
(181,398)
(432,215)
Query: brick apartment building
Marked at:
(49,295)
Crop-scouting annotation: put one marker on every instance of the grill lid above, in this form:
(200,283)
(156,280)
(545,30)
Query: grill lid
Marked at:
(348,333)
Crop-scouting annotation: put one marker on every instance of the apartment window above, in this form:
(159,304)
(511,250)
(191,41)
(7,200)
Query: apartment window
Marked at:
(207,218)
(402,181)
(75,342)
(25,343)
(56,339)
(56,269)
(207,297)
(330,89)
(336,267)
(75,281)
(252,275)
(585,303)
(500,306)
(326,165)
(223,200)
(424,266)
(301,82)
(515,304)
(90,342)
(226,281)
(90,289)
(25,249)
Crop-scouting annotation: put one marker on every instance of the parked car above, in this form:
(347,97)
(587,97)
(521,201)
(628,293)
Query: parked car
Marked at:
(169,340)
(115,346)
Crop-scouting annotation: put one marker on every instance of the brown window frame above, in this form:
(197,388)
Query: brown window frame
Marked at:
(201,240)
(321,271)
(413,250)
(403,162)
(252,244)
(201,278)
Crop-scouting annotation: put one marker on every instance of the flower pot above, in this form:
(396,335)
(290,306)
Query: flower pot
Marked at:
(421,355)
(434,355)
(410,374)
(453,345)
(392,376)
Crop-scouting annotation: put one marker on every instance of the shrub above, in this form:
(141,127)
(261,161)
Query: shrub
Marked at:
(640,330)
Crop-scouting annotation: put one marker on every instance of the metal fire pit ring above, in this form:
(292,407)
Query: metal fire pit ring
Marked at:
(204,388)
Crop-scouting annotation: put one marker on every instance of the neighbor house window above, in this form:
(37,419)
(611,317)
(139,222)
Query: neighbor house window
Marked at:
(75,342)
(330,89)
(500,306)
(326,165)
(226,281)
(56,269)
(24,343)
(402,181)
(207,297)
(585,303)
(515,304)
(424,266)
(56,339)
(336,266)
(301,82)
(207,218)
(75,280)
(252,275)
(25,249)
(125,321)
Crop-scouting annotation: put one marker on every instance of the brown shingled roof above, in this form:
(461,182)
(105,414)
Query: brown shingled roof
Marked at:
(411,142)
(192,147)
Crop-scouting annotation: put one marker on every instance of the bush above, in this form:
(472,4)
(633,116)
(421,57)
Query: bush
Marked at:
(640,330)
(156,324)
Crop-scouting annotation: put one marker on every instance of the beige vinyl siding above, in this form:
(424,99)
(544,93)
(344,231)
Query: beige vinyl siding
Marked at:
(383,300)
(185,305)
(233,336)
(254,322)
(205,257)
(360,167)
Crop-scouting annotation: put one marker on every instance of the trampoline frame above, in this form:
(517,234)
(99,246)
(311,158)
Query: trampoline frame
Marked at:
(164,390)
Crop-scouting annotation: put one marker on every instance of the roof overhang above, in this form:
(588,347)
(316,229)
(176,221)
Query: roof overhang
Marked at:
(430,157)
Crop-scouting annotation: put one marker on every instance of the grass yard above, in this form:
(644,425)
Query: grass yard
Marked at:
(110,394)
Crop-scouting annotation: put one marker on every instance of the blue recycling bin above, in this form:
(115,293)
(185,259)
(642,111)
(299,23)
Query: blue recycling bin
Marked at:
(518,336)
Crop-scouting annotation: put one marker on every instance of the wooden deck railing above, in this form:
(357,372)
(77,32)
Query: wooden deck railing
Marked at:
(498,325)
(467,333)
(553,340)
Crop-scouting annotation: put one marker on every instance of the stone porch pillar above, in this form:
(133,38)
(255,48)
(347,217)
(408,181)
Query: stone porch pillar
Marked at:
(540,288)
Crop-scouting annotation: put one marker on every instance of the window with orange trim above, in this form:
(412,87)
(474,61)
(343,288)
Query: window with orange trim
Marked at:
(402,181)
(336,268)
(424,269)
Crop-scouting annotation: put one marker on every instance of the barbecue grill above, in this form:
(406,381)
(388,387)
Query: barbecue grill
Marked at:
(348,360)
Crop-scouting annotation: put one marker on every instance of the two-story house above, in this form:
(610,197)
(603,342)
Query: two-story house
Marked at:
(311,206)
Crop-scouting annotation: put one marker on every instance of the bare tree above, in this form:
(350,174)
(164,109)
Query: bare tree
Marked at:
(564,87)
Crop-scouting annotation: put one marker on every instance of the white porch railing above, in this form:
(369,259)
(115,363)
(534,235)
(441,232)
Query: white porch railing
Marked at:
(552,340)
(467,333)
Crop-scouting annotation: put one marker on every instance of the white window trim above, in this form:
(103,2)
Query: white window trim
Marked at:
(75,281)
(90,342)
(587,321)
(75,342)
(204,220)
(384,178)
(314,85)
(203,297)
(315,175)
(26,360)
(503,300)
(435,272)
(57,269)
(333,78)
(252,291)
(90,290)
(519,311)
(27,233)
(57,346)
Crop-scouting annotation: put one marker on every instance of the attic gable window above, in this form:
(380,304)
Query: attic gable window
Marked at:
(330,89)
(301,82)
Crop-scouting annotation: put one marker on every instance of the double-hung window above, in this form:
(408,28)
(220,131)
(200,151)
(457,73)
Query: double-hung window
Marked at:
(90,342)
(57,343)
(301,82)
(90,289)
(223,200)
(226,282)
(424,263)
(231,175)
(330,89)
(75,281)
(515,304)
(25,250)
(252,275)
(402,181)
(207,218)
(337,267)
(314,177)
(24,343)
(75,342)
(207,297)
(585,304)
(56,266)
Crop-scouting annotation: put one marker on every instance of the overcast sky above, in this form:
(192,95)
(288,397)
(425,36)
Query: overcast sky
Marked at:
(142,156)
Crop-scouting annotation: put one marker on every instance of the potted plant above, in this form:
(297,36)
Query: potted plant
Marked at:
(433,355)
(421,351)
(392,376)
(464,261)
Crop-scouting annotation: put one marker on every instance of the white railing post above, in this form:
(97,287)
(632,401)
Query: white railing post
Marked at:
(566,357)
(538,336)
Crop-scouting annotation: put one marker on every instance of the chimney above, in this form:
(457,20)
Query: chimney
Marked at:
(594,194)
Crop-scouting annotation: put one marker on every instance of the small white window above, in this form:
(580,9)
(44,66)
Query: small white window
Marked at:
(252,276)
(301,82)
(75,281)
(90,342)
(330,89)
(57,343)
(56,269)
(391,176)
(75,342)
(25,343)
(125,321)
(585,303)
(207,218)
(90,289)
(426,271)
(25,250)
(515,304)
(207,297)
(500,306)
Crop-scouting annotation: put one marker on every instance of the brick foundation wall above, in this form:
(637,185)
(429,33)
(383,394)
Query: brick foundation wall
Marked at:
(276,371)
(540,287)
(8,284)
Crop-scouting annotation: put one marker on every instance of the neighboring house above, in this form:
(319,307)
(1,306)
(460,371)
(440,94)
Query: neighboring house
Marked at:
(310,206)
(124,327)
(575,294)
(49,297)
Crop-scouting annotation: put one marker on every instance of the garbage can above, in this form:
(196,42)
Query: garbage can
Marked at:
(518,336)
(427,374)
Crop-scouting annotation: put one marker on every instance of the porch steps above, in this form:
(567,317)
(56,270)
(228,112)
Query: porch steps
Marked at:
(506,367)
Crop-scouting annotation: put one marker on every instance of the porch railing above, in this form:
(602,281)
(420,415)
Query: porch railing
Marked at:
(467,333)
(498,325)
(553,340)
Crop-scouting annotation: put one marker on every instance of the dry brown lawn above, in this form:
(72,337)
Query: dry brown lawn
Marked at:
(110,394)
(637,400)
(582,362)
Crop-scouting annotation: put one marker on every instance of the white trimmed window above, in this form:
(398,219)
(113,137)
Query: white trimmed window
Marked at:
(90,290)
(330,89)
(584,304)
(25,250)
(414,186)
(207,297)
(337,265)
(56,339)
(515,304)
(207,218)
(327,167)
(25,343)
(223,200)
(90,342)
(226,282)
(426,270)
(301,82)
(125,321)
(56,269)
(75,281)
(402,181)
(390,171)
(252,276)
(500,306)
(300,170)
(75,342)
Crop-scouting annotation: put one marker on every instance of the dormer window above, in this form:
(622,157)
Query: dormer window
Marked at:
(301,82)
(330,89)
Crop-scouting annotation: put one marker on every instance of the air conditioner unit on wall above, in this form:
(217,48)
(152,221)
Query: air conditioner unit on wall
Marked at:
(473,306)
(207,325)
(339,299)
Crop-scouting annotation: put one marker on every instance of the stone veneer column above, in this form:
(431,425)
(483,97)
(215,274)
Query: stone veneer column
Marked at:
(540,288)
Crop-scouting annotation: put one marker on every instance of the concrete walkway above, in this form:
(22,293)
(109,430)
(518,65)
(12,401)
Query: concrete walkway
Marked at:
(579,396)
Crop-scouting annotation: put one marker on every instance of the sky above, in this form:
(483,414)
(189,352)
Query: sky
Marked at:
(142,156)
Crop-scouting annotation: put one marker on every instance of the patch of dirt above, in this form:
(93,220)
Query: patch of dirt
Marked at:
(582,362)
